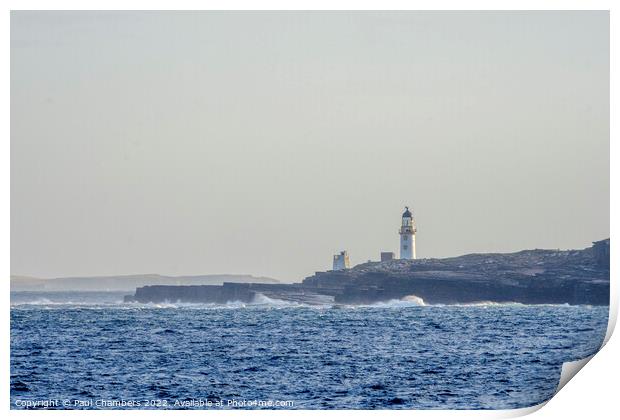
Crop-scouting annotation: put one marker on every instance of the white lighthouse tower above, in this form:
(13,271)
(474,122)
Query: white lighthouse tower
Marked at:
(407,236)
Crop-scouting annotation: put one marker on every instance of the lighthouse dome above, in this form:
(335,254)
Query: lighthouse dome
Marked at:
(407,213)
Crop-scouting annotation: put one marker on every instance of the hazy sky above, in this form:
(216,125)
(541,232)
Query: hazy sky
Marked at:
(264,142)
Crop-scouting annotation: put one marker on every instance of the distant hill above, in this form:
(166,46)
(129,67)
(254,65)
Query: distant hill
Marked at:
(128,282)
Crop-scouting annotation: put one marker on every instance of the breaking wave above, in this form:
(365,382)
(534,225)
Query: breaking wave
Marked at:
(260,299)
(407,301)
(29,300)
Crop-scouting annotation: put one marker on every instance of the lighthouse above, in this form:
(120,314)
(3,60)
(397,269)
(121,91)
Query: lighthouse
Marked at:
(407,236)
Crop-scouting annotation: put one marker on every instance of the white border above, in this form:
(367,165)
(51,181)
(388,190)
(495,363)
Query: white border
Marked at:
(593,394)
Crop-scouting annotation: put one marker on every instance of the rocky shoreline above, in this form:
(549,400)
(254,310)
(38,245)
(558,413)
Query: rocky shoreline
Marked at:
(575,277)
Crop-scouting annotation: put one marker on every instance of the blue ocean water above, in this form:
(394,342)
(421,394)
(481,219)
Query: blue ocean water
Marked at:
(89,350)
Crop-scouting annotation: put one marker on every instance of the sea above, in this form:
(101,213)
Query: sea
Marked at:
(89,350)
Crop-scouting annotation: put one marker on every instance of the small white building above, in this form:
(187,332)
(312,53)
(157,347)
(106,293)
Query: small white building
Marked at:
(341,261)
(407,236)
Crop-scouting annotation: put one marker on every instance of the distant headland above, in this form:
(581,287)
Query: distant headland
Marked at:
(125,282)
(532,276)
(576,277)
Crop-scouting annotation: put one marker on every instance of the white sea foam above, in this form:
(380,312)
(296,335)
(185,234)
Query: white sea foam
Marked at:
(487,303)
(41,301)
(405,302)
(414,299)
(260,299)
